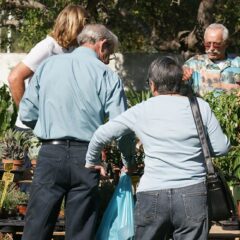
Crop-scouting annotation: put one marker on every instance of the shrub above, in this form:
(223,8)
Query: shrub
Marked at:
(13,196)
(8,110)
(226,107)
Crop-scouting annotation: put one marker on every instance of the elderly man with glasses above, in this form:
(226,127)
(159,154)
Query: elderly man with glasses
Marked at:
(215,70)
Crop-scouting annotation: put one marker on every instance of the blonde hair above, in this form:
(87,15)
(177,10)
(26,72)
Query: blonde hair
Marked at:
(68,25)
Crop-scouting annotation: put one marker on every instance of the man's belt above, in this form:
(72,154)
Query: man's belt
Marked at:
(65,142)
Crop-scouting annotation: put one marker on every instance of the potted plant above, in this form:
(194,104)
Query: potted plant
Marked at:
(14,145)
(22,198)
(33,150)
(12,201)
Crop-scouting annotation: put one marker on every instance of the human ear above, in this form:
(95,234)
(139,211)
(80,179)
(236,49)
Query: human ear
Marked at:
(103,45)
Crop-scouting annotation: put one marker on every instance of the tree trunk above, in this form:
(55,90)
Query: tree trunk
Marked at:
(92,8)
(205,12)
(193,42)
(190,42)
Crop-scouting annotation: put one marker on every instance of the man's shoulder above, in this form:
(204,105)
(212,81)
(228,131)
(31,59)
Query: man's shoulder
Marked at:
(198,57)
(196,61)
(49,61)
(235,60)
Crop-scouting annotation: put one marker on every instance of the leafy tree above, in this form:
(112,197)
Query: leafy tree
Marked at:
(142,26)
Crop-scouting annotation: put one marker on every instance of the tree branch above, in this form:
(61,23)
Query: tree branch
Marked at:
(23,4)
(10,22)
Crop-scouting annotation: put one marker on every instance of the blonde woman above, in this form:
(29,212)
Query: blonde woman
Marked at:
(62,39)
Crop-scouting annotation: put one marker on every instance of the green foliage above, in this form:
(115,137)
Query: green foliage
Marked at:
(138,24)
(13,144)
(8,110)
(34,24)
(34,147)
(33,29)
(227,110)
(228,12)
(134,97)
(13,196)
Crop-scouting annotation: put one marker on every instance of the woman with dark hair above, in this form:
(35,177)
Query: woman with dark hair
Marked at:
(172,194)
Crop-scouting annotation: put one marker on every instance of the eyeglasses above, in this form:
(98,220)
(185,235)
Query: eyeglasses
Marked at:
(214,44)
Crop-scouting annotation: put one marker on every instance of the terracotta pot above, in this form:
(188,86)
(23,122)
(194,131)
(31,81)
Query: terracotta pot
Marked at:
(34,163)
(22,208)
(7,161)
(61,214)
(17,164)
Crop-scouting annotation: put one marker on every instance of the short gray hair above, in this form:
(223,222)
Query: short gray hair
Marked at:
(215,26)
(93,33)
(166,72)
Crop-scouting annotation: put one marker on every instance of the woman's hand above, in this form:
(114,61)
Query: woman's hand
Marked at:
(99,168)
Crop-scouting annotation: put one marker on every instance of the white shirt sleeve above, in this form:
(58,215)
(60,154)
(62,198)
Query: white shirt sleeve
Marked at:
(42,50)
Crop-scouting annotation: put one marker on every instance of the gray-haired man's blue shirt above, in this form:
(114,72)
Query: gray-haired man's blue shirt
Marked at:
(70,95)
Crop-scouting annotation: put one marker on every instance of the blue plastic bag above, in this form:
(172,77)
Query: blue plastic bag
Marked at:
(117,222)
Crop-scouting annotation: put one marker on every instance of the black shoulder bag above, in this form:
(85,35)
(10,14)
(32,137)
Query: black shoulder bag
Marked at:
(220,201)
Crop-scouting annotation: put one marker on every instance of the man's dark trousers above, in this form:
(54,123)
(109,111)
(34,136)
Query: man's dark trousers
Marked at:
(60,172)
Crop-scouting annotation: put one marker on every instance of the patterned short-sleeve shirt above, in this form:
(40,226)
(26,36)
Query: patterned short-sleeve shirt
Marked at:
(222,75)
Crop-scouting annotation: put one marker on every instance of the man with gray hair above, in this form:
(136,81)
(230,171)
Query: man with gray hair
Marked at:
(68,98)
(215,70)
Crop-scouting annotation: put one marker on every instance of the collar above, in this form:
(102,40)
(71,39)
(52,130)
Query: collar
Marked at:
(86,50)
(225,63)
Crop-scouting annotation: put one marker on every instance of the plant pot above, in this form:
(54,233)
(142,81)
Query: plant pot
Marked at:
(7,161)
(61,214)
(17,164)
(33,163)
(22,208)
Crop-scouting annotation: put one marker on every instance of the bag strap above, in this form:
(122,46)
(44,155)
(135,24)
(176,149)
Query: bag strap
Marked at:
(206,151)
(201,133)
